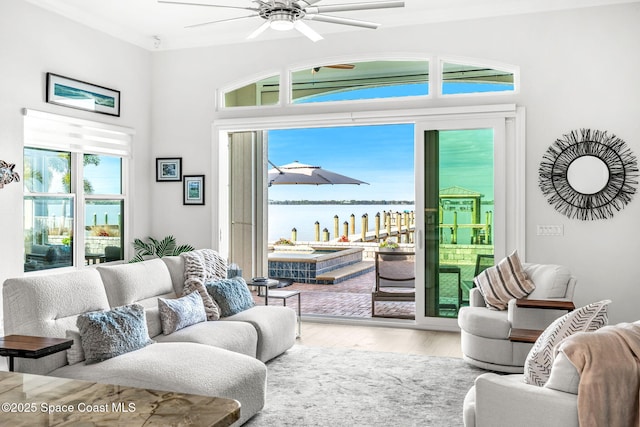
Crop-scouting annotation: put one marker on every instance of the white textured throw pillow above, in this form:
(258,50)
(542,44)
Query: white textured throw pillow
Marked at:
(537,366)
(503,282)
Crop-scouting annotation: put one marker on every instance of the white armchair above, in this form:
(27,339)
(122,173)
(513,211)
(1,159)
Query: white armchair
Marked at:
(506,401)
(485,333)
(603,389)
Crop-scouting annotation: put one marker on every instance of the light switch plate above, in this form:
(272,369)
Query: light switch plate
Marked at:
(550,230)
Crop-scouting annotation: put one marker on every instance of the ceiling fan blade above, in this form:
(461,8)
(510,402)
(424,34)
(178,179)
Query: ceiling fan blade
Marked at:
(205,4)
(261,29)
(307,31)
(343,21)
(306,3)
(354,6)
(341,66)
(221,20)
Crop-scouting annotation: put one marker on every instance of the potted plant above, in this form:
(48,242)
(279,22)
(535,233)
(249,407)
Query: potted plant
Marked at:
(286,245)
(388,246)
(158,248)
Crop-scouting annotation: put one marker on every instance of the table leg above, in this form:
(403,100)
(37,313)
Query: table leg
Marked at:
(10,363)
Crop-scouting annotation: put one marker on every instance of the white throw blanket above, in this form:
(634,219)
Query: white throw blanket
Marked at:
(608,361)
(201,266)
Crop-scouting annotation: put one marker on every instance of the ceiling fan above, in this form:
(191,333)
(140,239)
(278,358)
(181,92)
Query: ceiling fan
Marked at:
(284,15)
(335,66)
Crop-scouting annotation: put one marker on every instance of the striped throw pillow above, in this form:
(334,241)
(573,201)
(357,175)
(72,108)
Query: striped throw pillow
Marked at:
(503,282)
(537,366)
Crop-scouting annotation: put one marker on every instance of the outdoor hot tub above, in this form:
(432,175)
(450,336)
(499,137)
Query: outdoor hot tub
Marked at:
(305,267)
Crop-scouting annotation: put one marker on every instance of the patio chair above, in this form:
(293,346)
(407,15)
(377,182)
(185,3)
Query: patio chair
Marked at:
(395,280)
(112,253)
(483,261)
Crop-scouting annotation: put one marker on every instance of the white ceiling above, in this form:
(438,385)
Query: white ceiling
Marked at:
(142,21)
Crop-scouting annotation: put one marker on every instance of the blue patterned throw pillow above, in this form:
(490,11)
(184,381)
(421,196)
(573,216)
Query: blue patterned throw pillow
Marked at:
(179,313)
(107,334)
(231,295)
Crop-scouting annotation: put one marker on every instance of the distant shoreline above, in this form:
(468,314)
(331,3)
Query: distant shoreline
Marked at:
(341,202)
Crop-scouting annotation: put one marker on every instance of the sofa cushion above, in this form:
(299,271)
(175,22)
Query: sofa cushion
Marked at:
(75,354)
(181,312)
(175,264)
(275,325)
(564,376)
(239,337)
(130,283)
(537,366)
(154,324)
(48,305)
(551,280)
(231,295)
(503,282)
(107,334)
(184,368)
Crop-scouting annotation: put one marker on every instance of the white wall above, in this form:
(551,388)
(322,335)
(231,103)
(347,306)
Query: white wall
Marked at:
(34,42)
(579,69)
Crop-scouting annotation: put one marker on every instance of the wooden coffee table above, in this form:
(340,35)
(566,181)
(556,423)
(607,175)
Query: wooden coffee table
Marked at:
(36,400)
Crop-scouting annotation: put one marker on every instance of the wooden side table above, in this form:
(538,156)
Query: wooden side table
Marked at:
(531,335)
(30,347)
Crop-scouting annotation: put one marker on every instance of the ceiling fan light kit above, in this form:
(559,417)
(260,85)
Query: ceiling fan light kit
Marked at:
(281,21)
(285,15)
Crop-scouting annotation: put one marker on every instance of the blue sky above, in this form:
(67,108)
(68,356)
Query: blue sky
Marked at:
(379,155)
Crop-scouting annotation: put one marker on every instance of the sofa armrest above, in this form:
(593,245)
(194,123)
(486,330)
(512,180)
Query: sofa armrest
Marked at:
(532,318)
(505,400)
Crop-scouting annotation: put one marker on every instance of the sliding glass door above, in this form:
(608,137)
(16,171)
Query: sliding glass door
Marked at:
(456,195)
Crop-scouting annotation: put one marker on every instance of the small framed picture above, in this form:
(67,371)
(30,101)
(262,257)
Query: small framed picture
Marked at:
(169,169)
(82,95)
(193,190)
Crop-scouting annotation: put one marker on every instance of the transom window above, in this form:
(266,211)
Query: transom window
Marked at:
(263,92)
(360,80)
(463,79)
(373,80)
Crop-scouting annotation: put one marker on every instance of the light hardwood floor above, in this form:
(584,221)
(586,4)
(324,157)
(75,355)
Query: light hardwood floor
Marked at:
(378,338)
(371,338)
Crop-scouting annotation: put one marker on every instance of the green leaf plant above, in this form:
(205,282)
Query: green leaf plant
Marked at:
(158,248)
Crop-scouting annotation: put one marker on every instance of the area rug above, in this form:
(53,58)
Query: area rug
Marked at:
(310,386)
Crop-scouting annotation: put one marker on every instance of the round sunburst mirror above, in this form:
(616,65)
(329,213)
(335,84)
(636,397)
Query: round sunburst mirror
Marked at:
(588,174)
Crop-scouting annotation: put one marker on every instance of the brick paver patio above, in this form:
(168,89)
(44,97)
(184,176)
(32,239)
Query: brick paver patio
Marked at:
(351,298)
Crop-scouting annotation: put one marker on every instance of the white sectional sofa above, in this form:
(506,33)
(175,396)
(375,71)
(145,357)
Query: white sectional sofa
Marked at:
(215,358)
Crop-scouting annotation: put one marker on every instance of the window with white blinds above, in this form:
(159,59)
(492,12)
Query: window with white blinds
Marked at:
(53,131)
(75,191)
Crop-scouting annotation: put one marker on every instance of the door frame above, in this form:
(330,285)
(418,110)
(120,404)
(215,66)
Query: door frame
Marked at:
(510,165)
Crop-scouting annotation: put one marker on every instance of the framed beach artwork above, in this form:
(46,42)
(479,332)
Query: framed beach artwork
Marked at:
(82,95)
(193,190)
(168,169)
